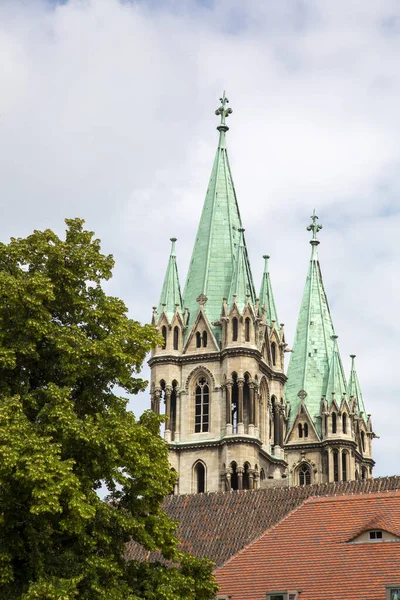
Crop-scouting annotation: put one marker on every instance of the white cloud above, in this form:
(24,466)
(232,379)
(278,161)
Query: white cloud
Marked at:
(107,113)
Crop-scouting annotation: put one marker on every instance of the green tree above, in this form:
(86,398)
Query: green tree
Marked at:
(66,349)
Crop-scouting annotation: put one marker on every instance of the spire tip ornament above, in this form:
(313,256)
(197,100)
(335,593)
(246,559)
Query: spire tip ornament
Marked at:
(315,227)
(224,112)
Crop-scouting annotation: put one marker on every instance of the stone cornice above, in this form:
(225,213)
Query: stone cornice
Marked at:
(218,356)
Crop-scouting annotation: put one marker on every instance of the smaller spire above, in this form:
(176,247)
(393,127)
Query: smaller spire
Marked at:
(336,380)
(315,227)
(171,297)
(241,290)
(266,295)
(354,389)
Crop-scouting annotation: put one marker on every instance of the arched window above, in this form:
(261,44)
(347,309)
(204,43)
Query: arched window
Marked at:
(198,339)
(262,475)
(200,478)
(305,430)
(234,476)
(363,473)
(176,338)
(275,413)
(363,441)
(234,329)
(204,338)
(344,423)
(246,403)
(273,353)
(247,329)
(246,478)
(333,422)
(325,464)
(335,465)
(344,466)
(164,334)
(202,406)
(326,424)
(235,399)
(172,422)
(357,475)
(300,427)
(304,475)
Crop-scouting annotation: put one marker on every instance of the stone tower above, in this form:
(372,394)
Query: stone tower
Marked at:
(220,372)
(328,434)
(234,420)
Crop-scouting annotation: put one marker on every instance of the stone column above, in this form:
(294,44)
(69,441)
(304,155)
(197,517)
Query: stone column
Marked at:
(157,396)
(240,428)
(168,392)
(228,390)
(330,465)
(251,480)
(240,471)
(256,480)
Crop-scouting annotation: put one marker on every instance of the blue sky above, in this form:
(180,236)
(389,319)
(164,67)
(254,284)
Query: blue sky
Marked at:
(107,113)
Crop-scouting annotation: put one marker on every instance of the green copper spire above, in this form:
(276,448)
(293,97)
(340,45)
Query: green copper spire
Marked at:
(241,285)
(313,345)
(171,298)
(354,389)
(218,236)
(336,380)
(267,297)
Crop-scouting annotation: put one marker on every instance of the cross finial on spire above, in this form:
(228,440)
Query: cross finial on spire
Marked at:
(224,112)
(315,227)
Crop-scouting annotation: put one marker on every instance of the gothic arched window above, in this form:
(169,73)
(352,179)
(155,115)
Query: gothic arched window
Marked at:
(234,476)
(172,421)
(204,338)
(304,475)
(200,477)
(344,423)
(247,329)
(305,430)
(202,406)
(300,427)
(335,465)
(198,339)
(246,477)
(363,441)
(235,401)
(176,338)
(333,422)
(164,334)
(344,466)
(273,353)
(234,329)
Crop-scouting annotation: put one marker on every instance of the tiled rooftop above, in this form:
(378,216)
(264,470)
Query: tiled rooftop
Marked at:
(311,550)
(218,525)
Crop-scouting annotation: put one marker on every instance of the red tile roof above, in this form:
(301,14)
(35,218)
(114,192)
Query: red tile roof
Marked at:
(310,550)
(218,525)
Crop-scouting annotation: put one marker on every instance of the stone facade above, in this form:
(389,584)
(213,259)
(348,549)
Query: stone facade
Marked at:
(234,419)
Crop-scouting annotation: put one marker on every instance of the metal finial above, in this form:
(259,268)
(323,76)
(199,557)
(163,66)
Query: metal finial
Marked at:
(315,227)
(224,112)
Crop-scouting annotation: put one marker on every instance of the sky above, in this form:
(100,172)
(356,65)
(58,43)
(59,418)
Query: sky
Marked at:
(107,114)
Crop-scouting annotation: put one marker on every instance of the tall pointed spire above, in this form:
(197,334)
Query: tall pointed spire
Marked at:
(171,297)
(218,236)
(313,345)
(354,389)
(241,284)
(267,297)
(336,380)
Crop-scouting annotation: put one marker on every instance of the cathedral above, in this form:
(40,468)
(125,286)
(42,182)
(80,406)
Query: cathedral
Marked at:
(234,419)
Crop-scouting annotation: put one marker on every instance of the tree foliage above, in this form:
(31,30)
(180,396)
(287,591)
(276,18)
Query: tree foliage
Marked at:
(66,350)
